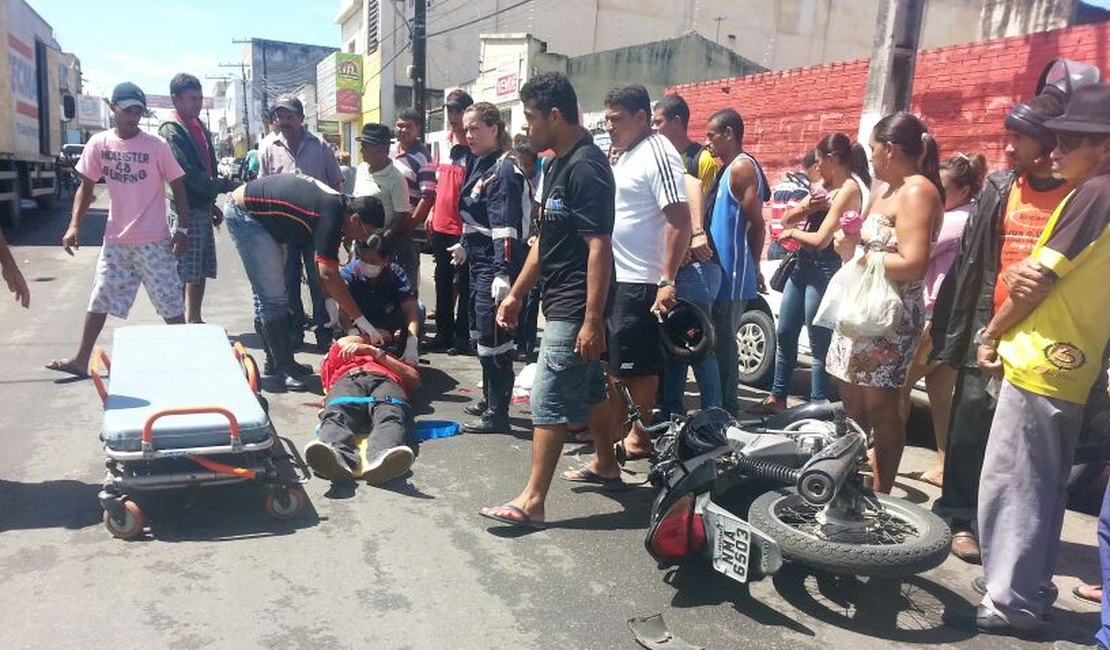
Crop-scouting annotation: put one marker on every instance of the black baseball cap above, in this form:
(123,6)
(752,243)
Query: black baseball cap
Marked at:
(127,94)
(289,103)
(458,100)
(375,134)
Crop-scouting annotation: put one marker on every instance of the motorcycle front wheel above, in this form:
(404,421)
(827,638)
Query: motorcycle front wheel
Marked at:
(895,539)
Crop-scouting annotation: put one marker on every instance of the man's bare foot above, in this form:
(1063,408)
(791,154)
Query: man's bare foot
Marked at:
(630,448)
(934,476)
(1089,593)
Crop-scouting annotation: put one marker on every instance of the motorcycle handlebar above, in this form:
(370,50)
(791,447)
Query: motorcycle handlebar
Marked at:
(822,476)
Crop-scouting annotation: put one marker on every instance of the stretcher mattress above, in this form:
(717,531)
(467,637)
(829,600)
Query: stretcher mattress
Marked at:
(158,367)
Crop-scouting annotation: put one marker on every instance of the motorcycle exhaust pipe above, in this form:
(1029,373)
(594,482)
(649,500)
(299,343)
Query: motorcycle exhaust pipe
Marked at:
(824,473)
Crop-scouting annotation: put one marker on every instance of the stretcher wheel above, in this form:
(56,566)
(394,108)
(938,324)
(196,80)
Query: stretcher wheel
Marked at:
(286,504)
(130,523)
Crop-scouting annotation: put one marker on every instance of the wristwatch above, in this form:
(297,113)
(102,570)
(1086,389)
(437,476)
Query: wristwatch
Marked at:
(663,282)
(981,338)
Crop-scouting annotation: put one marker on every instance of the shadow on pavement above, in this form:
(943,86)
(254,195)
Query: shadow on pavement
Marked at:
(219,513)
(637,509)
(40,228)
(906,611)
(698,584)
(50,504)
(435,384)
(1078,560)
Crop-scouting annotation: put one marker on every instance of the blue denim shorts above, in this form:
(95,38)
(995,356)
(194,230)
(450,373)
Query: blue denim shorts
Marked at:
(565,386)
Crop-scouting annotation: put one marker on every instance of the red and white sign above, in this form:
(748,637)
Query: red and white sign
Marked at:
(508,78)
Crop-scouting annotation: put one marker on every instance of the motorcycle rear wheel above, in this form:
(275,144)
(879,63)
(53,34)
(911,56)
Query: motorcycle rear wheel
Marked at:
(900,539)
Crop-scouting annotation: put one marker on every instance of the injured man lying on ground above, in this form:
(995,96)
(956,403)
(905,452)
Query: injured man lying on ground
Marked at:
(367,391)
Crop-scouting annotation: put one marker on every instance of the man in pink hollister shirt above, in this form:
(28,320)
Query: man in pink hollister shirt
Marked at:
(138,247)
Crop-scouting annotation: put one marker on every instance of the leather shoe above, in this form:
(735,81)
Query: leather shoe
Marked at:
(986,621)
(294,384)
(966,547)
(477,408)
(488,423)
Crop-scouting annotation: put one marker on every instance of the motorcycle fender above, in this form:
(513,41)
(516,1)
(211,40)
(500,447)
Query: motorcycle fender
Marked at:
(766,557)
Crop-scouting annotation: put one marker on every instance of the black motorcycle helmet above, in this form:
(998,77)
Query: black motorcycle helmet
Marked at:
(686,333)
(703,432)
(1062,76)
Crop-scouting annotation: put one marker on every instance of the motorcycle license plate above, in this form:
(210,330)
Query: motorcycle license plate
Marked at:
(731,542)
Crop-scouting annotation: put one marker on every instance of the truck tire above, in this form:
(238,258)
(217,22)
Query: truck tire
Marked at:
(755,340)
(782,514)
(13,215)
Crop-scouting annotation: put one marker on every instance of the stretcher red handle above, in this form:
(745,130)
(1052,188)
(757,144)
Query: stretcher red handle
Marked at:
(250,367)
(148,428)
(230,470)
(100,356)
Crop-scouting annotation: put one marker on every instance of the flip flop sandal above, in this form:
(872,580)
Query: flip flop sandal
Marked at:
(525,520)
(624,457)
(67,367)
(583,474)
(1078,593)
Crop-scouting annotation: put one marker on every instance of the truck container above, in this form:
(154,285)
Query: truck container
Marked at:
(33,108)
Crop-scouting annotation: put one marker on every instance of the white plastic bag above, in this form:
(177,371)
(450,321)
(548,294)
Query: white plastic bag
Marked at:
(871,306)
(845,277)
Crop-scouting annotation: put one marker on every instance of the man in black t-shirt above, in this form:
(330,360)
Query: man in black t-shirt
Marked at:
(574,258)
(264,216)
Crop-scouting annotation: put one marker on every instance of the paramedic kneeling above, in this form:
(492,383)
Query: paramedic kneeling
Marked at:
(364,385)
(263,217)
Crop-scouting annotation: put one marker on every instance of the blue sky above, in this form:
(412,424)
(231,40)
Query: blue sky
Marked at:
(147,43)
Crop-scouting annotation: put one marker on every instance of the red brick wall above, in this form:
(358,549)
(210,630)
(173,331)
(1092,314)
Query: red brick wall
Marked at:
(963,93)
(785,113)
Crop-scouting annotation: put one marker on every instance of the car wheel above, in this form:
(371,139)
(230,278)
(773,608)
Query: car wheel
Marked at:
(755,340)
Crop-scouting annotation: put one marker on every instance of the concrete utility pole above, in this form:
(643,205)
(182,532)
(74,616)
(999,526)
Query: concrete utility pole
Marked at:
(893,55)
(718,19)
(419,60)
(246,114)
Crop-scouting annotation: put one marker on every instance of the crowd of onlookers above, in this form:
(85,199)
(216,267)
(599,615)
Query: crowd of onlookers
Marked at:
(902,261)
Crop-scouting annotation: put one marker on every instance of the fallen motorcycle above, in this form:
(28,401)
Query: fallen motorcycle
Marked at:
(749,496)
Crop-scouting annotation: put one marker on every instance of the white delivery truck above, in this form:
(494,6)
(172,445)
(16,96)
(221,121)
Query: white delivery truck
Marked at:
(32,109)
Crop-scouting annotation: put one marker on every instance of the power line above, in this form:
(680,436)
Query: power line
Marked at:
(480,18)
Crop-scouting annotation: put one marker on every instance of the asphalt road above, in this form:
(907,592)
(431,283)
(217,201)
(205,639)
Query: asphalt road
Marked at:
(410,565)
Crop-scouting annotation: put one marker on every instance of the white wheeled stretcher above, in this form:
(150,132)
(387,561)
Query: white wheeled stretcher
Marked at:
(182,408)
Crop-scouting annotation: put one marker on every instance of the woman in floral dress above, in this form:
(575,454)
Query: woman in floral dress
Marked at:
(902,218)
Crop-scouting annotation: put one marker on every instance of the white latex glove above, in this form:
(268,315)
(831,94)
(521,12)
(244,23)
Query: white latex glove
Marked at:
(500,288)
(458,254)
(411,355)
(374,335)
(332,308)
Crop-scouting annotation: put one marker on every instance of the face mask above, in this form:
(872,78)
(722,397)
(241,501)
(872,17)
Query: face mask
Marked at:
(370,270)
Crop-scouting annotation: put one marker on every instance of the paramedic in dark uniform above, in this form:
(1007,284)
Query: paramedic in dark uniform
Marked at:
(264,216)
(492,205)
(384,294)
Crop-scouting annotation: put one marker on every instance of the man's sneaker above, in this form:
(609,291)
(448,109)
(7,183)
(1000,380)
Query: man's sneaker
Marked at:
(489,423)
(387,465)
(331,462)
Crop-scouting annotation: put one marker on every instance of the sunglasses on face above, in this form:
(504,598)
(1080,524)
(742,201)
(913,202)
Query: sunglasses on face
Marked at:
(1069,142)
